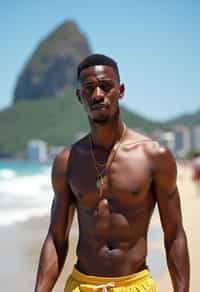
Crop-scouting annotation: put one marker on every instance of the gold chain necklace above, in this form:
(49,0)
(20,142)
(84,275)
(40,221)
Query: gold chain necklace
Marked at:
(94,158)
(106,165)
(96,163)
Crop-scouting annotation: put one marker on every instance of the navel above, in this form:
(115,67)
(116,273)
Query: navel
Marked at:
(110,245)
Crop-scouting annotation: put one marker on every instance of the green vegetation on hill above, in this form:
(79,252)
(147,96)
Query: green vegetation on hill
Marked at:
(54,120)
(186,119)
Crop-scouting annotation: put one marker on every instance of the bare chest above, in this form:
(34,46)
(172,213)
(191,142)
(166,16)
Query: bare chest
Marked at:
(125,183)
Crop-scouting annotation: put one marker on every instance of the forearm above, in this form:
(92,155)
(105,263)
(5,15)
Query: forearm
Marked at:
(178,262)
(50,265)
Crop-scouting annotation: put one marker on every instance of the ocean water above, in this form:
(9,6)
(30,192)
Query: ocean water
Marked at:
(25,191)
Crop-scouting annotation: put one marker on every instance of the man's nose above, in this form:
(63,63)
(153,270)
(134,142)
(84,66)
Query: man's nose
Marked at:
(98,93)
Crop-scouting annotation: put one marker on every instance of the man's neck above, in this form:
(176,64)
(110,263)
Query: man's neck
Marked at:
(107,134)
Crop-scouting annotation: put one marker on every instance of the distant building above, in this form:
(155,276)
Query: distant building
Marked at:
(37,151)
(157,135)
(195,138)
(182,140)
(168,139)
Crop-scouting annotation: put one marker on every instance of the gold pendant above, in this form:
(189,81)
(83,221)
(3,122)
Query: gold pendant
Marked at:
(98,183)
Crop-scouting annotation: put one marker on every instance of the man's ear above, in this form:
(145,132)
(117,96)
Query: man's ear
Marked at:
(121,90)
(78,95)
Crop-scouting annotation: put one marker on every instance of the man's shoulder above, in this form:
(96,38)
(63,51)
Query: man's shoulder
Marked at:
(64,155)
(159,154)
(158,151)
(161,157)
(154,150)
(80,145)
(61,161)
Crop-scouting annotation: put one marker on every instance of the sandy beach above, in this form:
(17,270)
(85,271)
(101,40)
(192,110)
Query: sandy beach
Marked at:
(21,244)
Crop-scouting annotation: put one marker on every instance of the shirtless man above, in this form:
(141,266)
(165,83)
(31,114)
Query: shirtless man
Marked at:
(113,177)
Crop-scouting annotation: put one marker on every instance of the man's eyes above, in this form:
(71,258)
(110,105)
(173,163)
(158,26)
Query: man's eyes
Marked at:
(88,88)
(105,87)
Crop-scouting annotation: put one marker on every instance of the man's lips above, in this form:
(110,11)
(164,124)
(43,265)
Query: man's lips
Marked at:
(99,106)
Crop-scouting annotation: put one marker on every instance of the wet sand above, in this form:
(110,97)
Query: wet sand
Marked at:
(21,244)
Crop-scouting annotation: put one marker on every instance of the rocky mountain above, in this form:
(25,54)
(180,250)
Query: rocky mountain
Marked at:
(51,70)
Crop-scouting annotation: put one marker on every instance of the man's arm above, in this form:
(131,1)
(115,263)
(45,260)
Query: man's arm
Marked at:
(55,246)
(167,195)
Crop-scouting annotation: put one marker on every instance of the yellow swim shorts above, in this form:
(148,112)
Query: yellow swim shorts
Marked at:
(138,282)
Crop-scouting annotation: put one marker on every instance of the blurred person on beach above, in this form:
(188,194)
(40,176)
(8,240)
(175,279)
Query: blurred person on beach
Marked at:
(196,172)
(113,177)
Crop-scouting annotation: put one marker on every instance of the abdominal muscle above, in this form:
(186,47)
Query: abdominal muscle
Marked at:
(110,243)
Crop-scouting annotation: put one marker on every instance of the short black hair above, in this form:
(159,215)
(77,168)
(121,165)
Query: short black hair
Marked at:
(97,59)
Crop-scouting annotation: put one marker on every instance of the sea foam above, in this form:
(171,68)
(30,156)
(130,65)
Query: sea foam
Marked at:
(24,196)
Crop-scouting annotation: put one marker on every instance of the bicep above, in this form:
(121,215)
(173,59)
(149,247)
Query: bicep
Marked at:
(62,213)
(167,196)
(63,204)
(170,213)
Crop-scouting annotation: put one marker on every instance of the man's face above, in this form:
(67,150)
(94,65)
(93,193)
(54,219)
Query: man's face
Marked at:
(99,92)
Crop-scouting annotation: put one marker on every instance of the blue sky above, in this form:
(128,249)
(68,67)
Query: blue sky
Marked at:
(156,44)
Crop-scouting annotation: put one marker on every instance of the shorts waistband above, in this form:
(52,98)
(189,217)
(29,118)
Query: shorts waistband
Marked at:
(123,280)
